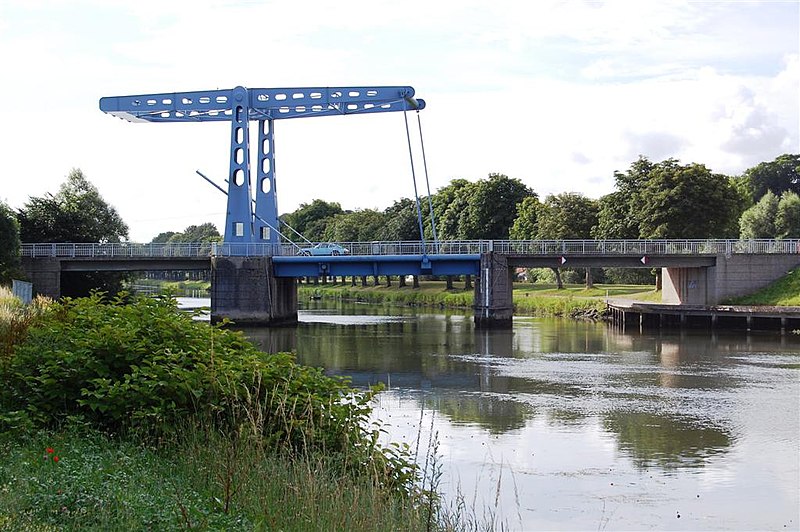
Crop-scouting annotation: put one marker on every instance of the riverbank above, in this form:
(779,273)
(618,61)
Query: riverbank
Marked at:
(166,423)
(542,300)
(78,478)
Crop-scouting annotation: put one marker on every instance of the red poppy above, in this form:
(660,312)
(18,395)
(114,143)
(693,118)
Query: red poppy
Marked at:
(50,450)
(55,459)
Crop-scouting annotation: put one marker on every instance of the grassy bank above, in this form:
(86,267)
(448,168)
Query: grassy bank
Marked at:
(200,480)
(118,414)
(783,292)
(529,299)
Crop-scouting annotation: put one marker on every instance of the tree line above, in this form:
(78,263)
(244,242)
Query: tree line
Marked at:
(650,200)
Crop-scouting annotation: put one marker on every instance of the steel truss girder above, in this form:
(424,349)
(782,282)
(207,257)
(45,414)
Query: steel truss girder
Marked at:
(262,104)
(239,106)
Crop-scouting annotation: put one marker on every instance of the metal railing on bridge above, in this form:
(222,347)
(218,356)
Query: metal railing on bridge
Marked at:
(455,247)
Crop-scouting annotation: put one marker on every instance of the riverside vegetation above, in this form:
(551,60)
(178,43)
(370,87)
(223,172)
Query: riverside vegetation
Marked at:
(127,413)
(541,299)
(529,299)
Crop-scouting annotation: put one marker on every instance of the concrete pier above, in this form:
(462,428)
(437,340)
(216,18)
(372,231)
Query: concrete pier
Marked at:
(45,274)
(494,305)
(245,291)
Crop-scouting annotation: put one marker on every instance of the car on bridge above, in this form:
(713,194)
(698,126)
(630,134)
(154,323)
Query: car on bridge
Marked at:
(323,248)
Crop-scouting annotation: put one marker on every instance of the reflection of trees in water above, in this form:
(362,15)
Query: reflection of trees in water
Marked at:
(665,441)
(491,413)
(468,374)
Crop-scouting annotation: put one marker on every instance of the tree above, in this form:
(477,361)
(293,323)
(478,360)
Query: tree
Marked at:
(449,207)
(779,175)
(492,207)
(787,219)
(162,238)
(688,202)
(525,224)
(619,212)
(772,217)
(400,221)
(9,244)
(206,232)
(359,226)
(759,220)
(669,200)
(615,218)
(77,213)
(311,219)
(567,216)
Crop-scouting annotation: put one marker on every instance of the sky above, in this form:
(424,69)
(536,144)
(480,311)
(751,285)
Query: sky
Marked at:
(558,94)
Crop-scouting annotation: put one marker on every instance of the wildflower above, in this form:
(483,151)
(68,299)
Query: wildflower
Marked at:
(55,459)
(50,450)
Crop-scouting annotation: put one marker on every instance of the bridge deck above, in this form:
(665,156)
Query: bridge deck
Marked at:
(519,248)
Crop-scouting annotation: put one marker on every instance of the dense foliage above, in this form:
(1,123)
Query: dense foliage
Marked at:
(76,213)
(9,244)
(206,232)
(778,176)
(772,217)
(669,200)
(146,365)
(119,415)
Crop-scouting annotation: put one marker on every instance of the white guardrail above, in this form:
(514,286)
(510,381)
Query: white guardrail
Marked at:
(461,247)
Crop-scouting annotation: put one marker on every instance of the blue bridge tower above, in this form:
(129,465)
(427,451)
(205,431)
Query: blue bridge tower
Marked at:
(244,285)
(252,213)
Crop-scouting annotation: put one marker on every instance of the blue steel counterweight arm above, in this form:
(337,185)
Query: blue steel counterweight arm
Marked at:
(239,106)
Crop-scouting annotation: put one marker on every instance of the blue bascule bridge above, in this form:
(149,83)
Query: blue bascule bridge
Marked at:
(254,269)
(253,275)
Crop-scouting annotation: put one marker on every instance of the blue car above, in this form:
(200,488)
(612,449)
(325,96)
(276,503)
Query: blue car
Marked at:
(324,248)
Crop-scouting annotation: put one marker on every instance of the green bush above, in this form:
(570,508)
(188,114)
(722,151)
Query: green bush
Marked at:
(145,365)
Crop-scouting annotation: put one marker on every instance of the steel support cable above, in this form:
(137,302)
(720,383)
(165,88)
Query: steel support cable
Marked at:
(252,201)
(428,185)
(414,178)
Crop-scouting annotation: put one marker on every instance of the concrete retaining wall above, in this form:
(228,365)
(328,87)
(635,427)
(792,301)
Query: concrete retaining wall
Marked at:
(733,276)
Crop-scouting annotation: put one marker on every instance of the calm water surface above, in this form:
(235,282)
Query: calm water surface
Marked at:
(575,426)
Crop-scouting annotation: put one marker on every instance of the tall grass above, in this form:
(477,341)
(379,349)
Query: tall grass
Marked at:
(15,319)
(202,480)
(200,431)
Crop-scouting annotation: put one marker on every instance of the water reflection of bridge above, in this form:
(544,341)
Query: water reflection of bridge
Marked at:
(255,283)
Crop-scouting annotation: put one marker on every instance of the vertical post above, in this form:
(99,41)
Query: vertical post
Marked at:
(239,219)
(265,192)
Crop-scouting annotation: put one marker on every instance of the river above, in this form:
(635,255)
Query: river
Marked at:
(568,425)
